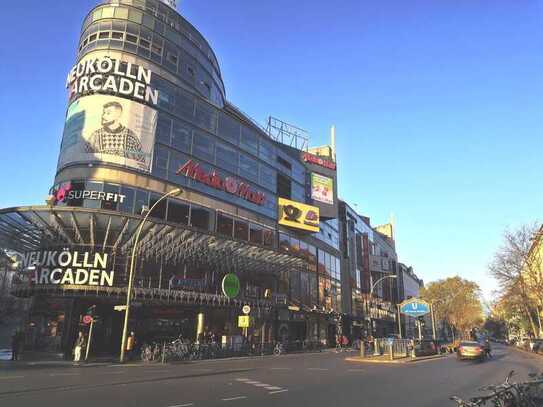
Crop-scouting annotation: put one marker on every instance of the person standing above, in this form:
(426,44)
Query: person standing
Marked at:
(16,342)
(78,347)
(131,345)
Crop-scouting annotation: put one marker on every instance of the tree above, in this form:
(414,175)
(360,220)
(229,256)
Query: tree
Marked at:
(517,267)
(456,301)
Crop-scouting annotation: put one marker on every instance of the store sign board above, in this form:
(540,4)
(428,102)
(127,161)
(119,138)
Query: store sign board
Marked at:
(322,188)
(192,169)
(67,192)
(195,284)
(298,215)
(70,268)
(315,159)
(230,285)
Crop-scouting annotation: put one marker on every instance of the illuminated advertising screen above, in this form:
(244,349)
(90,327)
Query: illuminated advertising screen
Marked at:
(322,189)
(108,129)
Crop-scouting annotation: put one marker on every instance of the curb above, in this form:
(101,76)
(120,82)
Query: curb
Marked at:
(403,361)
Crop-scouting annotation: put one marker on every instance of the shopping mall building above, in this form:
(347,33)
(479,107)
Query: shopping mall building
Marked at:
(147,113)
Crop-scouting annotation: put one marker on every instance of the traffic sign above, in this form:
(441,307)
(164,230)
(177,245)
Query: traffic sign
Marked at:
(246,309)
(119,307)
(415,307)
(230,285)
(243,321)
(87,319)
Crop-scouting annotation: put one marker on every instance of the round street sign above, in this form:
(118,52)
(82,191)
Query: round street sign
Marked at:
(87,319)
(415,307)
(246,309)
(230,285)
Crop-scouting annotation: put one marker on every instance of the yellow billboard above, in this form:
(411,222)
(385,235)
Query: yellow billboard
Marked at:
(298,215)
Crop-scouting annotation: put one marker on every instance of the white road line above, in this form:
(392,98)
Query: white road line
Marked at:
(64,374)
(252,382)
(234,398)
(243,380)
(273,388)
(261,385)
(11,377)
(183,405)
(278,391)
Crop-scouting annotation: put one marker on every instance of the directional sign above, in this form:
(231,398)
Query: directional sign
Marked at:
(119,307)
(415,307)
(246,309)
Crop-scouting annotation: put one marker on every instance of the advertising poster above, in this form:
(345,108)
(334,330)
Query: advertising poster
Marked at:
(322,189)
(108,129)
(298,215)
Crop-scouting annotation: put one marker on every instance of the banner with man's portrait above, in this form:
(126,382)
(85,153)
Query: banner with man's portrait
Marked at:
(109,129)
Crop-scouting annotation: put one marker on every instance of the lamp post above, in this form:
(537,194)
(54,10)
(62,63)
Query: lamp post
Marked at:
(173,192)
(371,295)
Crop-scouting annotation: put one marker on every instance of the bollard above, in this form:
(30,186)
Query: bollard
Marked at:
(391,351)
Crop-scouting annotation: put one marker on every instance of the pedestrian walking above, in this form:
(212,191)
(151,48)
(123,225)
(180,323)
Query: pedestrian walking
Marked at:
(78,347)
(131,345)
(16,345)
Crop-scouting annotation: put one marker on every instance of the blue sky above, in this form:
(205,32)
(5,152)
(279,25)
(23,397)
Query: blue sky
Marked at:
(437,106)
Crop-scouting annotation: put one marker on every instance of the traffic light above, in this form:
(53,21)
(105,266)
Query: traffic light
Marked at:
(422,321)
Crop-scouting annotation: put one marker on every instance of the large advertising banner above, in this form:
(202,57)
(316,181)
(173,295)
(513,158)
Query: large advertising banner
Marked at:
(109,129)
(322,188)
(298,215)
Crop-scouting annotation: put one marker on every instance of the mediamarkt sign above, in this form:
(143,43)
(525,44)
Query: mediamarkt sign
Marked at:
(229,184)
(111,76)
(73,268)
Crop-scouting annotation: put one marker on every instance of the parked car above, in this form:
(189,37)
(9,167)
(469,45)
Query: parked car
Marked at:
(426,348)
(471,350)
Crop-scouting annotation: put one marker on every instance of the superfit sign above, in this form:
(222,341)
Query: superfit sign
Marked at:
(231,185)
(315,159)
(66,193)
(111,76)
(63,267)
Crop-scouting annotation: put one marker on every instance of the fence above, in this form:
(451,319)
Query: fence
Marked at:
(400,347)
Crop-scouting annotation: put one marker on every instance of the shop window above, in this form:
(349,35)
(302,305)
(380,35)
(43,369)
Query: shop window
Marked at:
(303,249)
(142,199)
(159,211)
(255,234)
(284,242)
(93,186)
(241,230)
(200,218)
(226,157)
(127,204)
(225,225)
(178,212)
(295,245)
(111,202)
(269,237)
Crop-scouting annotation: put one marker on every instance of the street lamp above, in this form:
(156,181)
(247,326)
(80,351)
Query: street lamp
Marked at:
(371,294)
(173,192)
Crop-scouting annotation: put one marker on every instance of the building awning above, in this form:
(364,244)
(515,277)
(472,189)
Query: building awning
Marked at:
(34,228)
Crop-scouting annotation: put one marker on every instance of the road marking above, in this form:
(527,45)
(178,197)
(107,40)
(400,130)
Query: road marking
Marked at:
(280,368)
(243,380)
(261,385)
(183,405)
(235,398)
(273,388)
(64,374)
(252,382)
(278,391)
(11,377)
(316,368)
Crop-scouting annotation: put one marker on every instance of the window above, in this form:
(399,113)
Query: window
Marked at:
(284,163)
(159,211)
(127,205)
(226,157)
(206,117)
(163,128)
(225,225)
(160,161)
(283,186)
(241,230)
(248,168)
(178,212)
(131,38)
(92,37)
(284,242)
(199,217)
(249,140)
(268,177)
(103,35)
(181,136)
(142,199)
(229,128)
(255,234)
(110,204)
(203,146)
(144,43)
(269,238)
(267,152)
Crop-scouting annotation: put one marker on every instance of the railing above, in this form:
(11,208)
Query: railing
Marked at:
(382,346)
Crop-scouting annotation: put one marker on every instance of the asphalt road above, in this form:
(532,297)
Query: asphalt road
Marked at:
(324,379)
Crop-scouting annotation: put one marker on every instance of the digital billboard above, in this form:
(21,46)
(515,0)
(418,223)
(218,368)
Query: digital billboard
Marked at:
(108,129)
(322,188)
(298,215)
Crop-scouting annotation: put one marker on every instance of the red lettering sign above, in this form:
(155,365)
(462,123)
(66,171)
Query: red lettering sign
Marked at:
(315,159)
(229,184)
